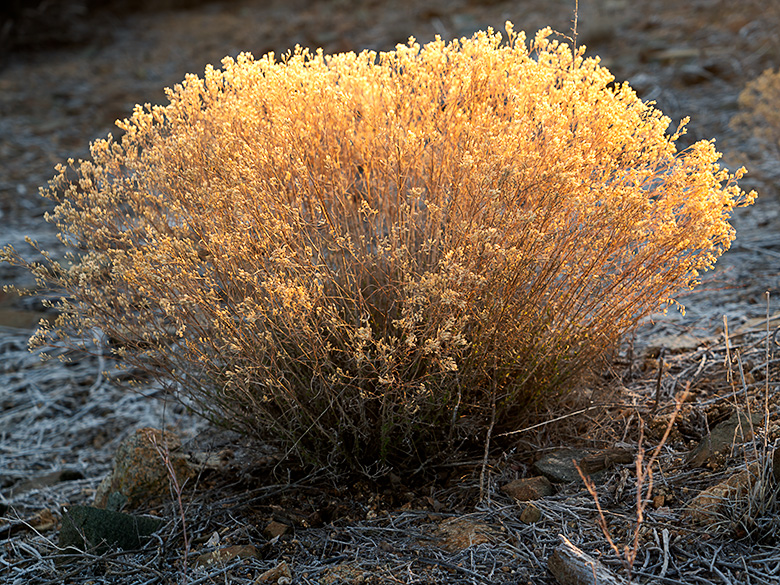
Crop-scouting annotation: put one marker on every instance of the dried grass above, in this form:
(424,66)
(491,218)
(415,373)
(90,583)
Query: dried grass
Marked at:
(399,545)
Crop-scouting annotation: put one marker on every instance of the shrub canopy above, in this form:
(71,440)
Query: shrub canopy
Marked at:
(374,257)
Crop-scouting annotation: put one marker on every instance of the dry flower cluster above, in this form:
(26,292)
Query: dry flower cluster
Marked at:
(383,257)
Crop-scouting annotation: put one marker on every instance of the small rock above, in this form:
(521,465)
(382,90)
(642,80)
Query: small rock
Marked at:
(758,324)
(527,489)
(571,566)
(673,343)
(559,466)
(665,54)
(275,529)
(280,574)
(530,514)
(709,506)
(457,534)
(87,527)
(605,459)
(139,473)
(46,480)
(213,540)
(42,521)
(723,436)
(227,554)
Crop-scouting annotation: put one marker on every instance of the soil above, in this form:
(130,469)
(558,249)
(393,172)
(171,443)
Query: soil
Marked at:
(68,70)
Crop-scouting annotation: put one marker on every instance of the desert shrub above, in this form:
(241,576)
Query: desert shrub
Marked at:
(375,257)
(760,114)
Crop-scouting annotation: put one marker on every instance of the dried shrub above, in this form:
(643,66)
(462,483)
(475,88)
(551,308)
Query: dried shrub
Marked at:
(760,114)
(376,257)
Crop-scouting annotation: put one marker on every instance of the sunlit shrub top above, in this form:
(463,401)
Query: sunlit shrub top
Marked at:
(372,256)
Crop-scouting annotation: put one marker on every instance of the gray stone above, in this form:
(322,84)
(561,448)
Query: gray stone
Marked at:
(559,467)
(736,430)
(673,343)
(90,528)
(46,480)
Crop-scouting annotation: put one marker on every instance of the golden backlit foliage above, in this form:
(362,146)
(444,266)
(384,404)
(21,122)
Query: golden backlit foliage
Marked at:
(370,257)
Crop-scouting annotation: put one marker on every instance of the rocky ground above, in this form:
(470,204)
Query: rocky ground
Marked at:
(248,518)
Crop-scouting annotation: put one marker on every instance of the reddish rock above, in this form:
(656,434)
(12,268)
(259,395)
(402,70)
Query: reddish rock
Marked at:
(530,514)
(280,574)
(139,472)
(275,529)
(527,489)
(711,506)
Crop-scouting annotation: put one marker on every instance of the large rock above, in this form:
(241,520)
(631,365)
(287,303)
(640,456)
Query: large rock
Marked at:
(737,429)
(711,506)
(140,475)
(561,466)
(98,530)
